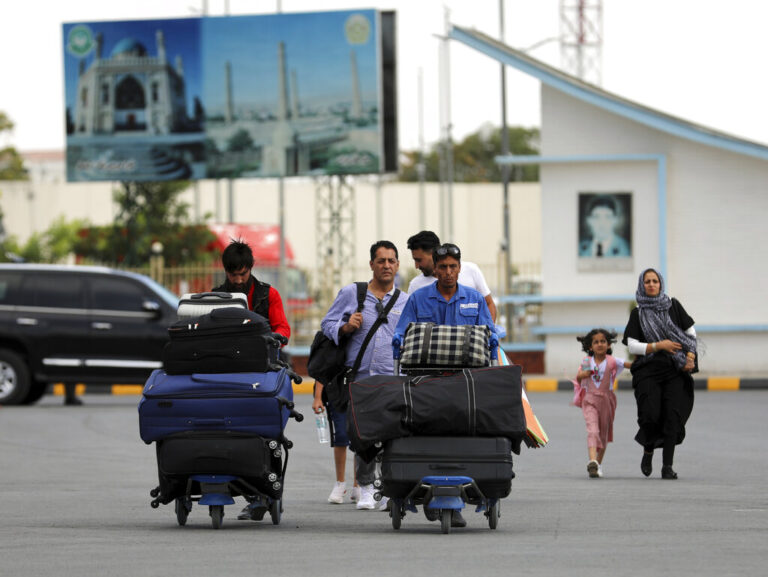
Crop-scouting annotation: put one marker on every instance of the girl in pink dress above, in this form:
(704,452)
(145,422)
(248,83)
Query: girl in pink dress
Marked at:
(594,393)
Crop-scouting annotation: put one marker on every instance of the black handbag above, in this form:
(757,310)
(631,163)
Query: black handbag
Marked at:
(326,358)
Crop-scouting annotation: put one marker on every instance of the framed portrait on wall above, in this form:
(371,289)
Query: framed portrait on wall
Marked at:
(605,231)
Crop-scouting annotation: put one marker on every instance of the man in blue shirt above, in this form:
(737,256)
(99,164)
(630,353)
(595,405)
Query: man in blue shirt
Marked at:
(345,325)
(445,302)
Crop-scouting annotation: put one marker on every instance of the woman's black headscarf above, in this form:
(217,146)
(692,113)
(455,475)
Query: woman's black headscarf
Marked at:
(655,320)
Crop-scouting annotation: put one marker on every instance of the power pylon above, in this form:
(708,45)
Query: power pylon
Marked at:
(581,39)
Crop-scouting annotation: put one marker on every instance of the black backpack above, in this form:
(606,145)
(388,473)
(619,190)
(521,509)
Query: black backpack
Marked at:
(326,359)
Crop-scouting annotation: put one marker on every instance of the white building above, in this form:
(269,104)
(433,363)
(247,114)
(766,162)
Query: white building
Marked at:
(698,204)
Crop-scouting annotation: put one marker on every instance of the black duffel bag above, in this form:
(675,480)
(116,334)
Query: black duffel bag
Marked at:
(483,402)
(226,340)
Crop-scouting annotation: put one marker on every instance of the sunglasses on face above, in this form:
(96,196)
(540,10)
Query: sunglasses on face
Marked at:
(451,250)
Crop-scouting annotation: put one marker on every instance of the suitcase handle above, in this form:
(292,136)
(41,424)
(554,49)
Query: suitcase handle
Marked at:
(207,422)
(449,466)
(220,295)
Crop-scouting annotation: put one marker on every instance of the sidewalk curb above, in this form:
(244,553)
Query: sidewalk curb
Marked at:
(532,384)
(545,385)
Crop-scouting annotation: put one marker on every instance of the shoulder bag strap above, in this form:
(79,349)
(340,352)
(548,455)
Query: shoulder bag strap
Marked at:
(382,317)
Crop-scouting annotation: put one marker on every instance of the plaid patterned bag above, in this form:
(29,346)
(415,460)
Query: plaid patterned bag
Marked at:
(429,345)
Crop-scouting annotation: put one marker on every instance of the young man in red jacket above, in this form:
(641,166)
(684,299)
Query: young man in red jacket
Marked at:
(263,299)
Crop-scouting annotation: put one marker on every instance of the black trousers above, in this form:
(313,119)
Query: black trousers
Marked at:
(664,403)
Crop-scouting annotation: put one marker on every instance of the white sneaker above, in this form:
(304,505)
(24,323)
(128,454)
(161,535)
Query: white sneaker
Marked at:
(337,495)
(383,504)
(355,496)
(366,498)
(600,470)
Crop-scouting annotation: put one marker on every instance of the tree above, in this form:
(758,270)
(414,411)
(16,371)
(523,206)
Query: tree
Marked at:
(240,141)
(473,157)
(11,163)
(149,212)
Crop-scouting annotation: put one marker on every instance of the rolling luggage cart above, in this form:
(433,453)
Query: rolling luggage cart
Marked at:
(220,435)
(443,474)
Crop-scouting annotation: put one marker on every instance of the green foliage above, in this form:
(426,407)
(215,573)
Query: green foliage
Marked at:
(51,246)
(11,163)
(240,141)
(149,212)
(473,157)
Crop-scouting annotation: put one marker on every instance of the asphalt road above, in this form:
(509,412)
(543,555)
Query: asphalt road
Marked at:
(76,480)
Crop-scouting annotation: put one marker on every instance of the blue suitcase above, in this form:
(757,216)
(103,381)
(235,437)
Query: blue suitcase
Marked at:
(254,403)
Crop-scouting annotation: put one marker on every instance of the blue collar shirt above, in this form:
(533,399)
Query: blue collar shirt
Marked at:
(426,305)
(378,356)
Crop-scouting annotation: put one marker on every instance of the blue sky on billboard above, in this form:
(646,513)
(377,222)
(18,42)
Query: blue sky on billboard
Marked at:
(181,39)
(316,49)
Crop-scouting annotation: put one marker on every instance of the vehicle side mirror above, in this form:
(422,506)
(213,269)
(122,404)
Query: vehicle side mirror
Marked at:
(151,306)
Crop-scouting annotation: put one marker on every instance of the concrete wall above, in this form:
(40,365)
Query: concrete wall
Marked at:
(478,224)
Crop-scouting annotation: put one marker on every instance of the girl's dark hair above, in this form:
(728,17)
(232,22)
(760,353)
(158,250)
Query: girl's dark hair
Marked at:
(586,340)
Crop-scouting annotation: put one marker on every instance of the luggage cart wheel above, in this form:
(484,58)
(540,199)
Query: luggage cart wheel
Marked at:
(397,516)
(217,514)
(494,512)
(183,507)
(275,511)
(445,520)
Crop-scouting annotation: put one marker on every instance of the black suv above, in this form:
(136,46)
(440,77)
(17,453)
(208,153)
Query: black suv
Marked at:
(79,324)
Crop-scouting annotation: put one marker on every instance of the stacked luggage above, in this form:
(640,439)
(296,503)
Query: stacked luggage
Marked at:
(445,431)
(218,409)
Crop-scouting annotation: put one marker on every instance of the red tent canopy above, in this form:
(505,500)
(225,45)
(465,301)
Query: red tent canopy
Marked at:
(264,240)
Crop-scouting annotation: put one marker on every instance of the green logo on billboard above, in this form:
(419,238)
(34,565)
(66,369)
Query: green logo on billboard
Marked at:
(357,29)
(80,40)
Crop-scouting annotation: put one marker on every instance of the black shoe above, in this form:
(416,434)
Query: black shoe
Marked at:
(73,402)
(431,514)
(457,520)
(253,512)
(667,472)
(646,465)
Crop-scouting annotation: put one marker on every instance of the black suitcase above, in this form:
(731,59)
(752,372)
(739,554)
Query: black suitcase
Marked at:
(226,340)
(484,402)
(248,457)
(487,460)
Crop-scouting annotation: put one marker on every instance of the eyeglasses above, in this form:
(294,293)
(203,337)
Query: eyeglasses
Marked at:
(450,249)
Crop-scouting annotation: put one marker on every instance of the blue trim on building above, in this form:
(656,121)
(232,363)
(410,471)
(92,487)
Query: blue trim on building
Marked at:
(580,330)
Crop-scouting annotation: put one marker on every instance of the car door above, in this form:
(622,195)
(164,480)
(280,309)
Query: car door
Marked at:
(52,317)
(127,335)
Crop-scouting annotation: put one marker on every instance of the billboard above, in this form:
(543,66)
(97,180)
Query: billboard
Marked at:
(231,97)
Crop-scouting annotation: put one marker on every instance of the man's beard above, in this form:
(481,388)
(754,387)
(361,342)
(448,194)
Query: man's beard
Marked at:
(238,288)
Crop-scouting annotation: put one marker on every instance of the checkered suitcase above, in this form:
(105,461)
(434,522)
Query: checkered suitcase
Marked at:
(431,346)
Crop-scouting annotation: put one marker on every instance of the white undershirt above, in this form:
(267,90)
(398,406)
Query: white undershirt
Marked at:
(637,348)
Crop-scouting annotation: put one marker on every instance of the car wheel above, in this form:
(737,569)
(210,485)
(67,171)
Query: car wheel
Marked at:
(14,378)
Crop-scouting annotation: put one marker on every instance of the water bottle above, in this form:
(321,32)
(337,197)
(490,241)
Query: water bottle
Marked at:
(322,428)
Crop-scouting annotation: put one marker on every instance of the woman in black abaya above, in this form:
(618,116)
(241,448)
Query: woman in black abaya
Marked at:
(661,335)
